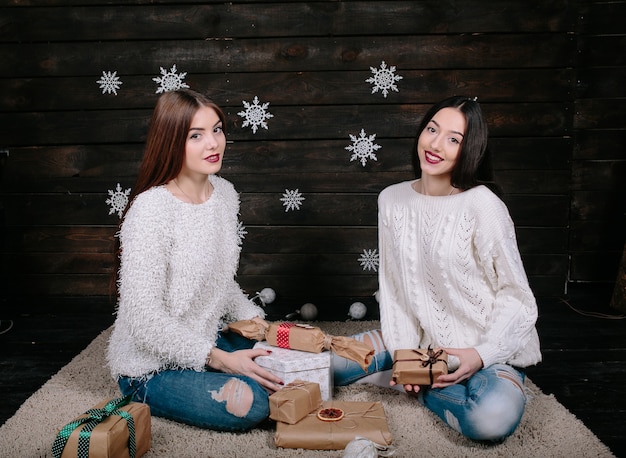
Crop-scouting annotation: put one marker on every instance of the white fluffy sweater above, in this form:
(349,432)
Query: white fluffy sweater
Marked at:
(177,280)
(451,276)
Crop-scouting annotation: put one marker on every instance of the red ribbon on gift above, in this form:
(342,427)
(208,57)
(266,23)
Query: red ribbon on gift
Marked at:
(282,334)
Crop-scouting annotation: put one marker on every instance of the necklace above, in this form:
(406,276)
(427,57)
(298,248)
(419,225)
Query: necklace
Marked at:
(185,194)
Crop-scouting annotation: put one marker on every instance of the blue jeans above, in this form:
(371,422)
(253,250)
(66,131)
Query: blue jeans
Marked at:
(204,399)
(486,407)
(346,371)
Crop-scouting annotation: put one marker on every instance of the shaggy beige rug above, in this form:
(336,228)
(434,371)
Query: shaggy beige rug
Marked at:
(547,428)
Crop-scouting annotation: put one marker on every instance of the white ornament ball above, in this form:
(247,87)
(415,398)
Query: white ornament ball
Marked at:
(360,447)
(357,310)
(267,295)
(308,311)
(377,296)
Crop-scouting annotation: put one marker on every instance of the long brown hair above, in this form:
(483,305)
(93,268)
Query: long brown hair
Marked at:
(164,153)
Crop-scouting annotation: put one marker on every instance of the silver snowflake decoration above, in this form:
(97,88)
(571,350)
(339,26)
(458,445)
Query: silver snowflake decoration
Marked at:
(109,83)
(369,260)
(292,199)
(384,78)
(363,147)
(241,233)
(118,200)
(255,114)
(170,80)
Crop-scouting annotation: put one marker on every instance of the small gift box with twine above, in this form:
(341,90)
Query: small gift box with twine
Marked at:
(116,428)
(419,367)
(295,401)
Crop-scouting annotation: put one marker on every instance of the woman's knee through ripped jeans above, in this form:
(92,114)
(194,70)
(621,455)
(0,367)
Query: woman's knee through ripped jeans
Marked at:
(208,399)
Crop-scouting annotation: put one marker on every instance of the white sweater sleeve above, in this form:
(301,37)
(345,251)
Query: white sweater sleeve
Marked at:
(242,308)
(511,328)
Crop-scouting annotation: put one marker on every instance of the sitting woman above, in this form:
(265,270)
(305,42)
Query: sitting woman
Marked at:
(178,254)
(451,277)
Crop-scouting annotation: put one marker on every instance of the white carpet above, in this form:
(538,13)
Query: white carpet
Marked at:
(547,428)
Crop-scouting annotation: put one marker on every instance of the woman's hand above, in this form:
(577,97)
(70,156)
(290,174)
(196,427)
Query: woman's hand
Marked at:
(470,363)
(241,362)
(408,388)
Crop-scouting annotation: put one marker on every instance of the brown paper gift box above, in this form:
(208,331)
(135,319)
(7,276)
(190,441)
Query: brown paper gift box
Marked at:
(419,367)
(304,337)
(365,419)
(295,401)
(109,439)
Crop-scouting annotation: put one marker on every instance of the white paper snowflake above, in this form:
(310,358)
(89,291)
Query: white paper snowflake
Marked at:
(255,114)
(363,147)
(109,83)
(241,233)
(292,199)
(118,200)
(369,260)
(170,80)
(384,78)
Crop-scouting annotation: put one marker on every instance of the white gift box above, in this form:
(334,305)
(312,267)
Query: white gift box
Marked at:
(291,365)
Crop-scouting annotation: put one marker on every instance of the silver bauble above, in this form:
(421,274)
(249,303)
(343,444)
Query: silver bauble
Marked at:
(308,311)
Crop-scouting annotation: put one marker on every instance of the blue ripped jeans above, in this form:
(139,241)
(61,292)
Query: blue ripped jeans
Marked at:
(486,407)
(209,399)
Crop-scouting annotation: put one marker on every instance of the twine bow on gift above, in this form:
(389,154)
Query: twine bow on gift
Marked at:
(430,359)
(94,418)
(299,386)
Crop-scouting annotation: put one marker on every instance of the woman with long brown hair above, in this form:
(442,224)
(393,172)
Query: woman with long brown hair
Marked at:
(177,254)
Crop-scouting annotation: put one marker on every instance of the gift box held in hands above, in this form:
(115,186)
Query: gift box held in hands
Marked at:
(360,419)
(419,367)
(112,429)
(295,401)
(292,365)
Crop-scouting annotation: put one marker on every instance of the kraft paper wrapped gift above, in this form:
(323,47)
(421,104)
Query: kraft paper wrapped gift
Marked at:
(419,367)
(304,337)
(295,401)
(292,365)
(363,419)
(110,437)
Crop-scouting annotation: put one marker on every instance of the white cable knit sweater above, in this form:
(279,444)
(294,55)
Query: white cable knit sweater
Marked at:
(177,272)
(451,276)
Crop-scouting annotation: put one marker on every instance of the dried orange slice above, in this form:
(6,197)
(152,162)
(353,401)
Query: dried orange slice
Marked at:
(330,414)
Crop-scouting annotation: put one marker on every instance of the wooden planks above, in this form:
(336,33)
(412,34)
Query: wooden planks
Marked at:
(598,230)
(534,66)
(283,19)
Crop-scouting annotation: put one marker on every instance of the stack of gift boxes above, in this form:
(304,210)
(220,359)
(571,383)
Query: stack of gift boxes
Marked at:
(301,356)
(303,420)
(306,415)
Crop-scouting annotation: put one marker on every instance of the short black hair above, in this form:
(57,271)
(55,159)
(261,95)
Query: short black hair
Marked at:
(474,164)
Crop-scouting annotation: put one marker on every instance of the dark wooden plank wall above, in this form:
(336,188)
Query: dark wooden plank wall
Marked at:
(527,62)
(598,215)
